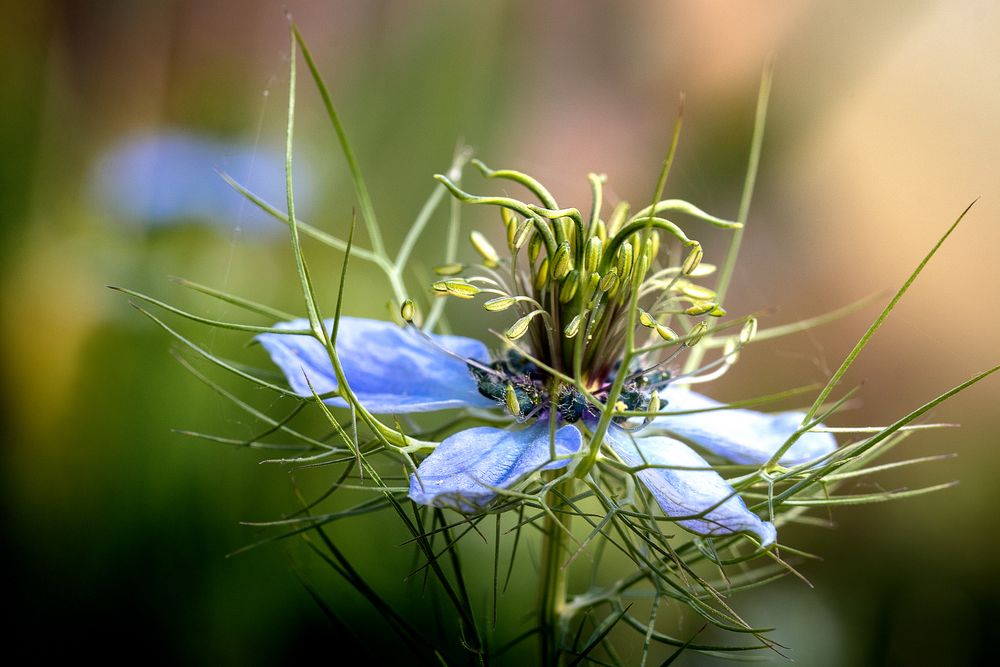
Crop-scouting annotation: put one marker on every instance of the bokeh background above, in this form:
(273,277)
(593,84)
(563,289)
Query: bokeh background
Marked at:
(884,126)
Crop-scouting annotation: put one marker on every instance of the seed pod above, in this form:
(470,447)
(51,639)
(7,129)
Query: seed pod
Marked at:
(406,311)
(485,249)
(562,261)
(693,259)
(542,277)
(592,255)
(568,287)
(500,303)
(449,269)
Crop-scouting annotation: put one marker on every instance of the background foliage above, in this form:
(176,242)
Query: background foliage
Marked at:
(884,124)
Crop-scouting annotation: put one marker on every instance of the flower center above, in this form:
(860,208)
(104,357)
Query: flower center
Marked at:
(526,391)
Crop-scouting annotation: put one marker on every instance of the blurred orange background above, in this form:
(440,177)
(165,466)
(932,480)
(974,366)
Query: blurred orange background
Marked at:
(884,125)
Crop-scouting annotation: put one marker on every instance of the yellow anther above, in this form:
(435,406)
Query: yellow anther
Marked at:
(534,247)
(485,249)
(697,333)
(500,303)
(520,327)
(666,333)
(510,398)
(693,259)
(609,280)
(695,291)
(592,255)
(449,269)
(625,260)
(568,287)
(542,277)
(562,261)
(701,308)
(406,311)
(571,329)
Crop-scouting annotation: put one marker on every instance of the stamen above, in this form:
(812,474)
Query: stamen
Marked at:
(485,249)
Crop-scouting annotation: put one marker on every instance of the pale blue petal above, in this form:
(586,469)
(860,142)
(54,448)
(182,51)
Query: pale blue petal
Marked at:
(701,493)
(389,368)
(463,471)
(740,435)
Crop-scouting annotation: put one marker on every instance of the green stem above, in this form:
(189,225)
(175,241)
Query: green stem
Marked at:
(552,583)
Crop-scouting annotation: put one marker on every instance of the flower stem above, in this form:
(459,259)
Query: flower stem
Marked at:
(552,583)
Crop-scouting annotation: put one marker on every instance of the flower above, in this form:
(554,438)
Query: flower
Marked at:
(583,290)
(393,370)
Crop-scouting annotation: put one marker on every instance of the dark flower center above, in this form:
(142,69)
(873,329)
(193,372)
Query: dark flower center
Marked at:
(526,391)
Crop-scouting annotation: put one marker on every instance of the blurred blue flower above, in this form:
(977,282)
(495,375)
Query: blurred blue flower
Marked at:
(392,370)
(169,177)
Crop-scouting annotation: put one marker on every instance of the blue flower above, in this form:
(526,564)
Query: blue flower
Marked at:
(393,370)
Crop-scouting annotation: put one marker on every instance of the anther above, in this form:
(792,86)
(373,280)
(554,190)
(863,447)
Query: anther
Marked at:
(449,269)
(562,261)
(513,404)
(609,280)
(571,329)
(520,327)
(625,260)
(534,247)
(749,330)
(542,277)
(701,308)
(500,303)
(693,259)
(568,287)
(485,249)
(406,311)
(592,256)
(697,333)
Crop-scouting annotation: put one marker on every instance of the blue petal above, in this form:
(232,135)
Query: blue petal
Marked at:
(739,435)
(701,493)
(390,369)
(463,471)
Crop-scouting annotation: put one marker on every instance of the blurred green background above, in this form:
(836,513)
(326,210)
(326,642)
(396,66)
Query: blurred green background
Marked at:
(884,125)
